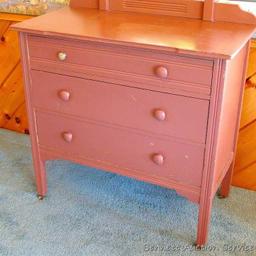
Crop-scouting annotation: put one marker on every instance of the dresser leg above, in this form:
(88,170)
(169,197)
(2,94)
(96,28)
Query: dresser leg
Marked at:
(204,219)
(40,197)
(226,183)
(40,176)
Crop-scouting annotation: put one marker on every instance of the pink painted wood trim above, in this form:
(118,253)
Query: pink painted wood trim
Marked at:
(208,13)
(205,203)
(38,161)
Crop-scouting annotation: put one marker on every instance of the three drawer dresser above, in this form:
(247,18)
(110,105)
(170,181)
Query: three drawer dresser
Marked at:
(147,89)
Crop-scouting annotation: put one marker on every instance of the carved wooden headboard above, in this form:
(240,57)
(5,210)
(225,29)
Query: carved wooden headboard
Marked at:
(211,10)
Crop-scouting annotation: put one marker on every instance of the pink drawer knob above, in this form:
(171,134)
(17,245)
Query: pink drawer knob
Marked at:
(158,159)
(67,136)
(160,115)
(62,56)
(161,72)
(64,95)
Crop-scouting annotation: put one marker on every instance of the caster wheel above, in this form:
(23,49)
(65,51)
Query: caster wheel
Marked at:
(198,246)
(40,197)
(221,196)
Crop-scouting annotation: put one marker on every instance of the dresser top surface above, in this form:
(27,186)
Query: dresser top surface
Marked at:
(182,35)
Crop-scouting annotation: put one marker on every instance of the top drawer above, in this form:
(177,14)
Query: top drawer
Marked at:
(112,63)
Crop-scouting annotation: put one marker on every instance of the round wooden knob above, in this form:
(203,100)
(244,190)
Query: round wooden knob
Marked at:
(161,72)
(160,115)
(62,56)
(67,136)
(64,95)
(158,159)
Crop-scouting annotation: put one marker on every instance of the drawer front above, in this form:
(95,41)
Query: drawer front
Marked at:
(146,155)
(123,64)
(154,112)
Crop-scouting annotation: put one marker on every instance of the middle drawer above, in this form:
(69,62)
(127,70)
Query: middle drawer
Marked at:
(154,112)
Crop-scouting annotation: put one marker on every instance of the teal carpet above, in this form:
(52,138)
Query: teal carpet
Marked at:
(90,212)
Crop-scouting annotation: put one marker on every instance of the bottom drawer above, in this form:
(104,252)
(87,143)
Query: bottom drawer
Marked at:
(147,155)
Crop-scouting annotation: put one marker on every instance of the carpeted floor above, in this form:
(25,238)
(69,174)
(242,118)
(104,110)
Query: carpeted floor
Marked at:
(90,212)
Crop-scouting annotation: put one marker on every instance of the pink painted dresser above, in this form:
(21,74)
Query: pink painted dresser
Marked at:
(128,87)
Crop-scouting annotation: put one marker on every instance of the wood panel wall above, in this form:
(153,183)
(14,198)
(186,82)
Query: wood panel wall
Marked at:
(245,165)
(13,110)
(12,103)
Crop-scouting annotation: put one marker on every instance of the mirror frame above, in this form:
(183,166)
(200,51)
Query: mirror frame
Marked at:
(208,10)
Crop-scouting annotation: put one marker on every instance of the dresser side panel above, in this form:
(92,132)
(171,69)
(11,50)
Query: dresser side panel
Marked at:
(230,114)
